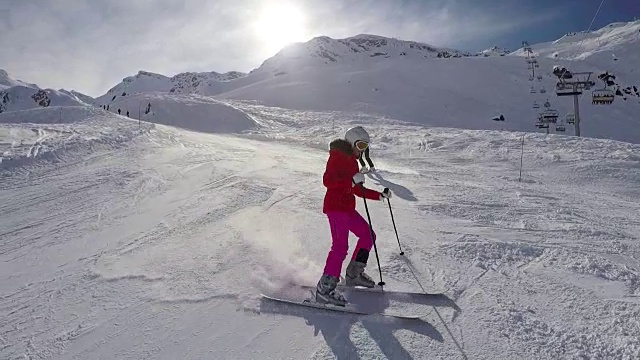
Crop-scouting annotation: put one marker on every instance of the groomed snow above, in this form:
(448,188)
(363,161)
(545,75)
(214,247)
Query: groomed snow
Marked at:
(160,246)
(131,239)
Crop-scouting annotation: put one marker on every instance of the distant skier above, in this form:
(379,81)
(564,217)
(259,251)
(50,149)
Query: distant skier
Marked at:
(343,180)
(361,158)
(118,111)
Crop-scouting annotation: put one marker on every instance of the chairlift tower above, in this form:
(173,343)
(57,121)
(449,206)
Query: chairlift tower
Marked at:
(573,86)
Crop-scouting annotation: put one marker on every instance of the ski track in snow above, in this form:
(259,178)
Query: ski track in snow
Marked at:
(157,245)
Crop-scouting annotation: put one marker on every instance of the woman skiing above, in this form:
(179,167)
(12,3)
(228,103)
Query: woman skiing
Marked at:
(343,180)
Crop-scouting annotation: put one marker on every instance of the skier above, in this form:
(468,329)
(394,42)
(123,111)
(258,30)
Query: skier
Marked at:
(343,180)
(362,157)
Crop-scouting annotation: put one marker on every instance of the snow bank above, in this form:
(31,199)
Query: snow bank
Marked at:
(189,111)
(46,134)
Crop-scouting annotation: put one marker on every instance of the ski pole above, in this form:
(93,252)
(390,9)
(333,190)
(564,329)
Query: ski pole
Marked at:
(375,248)
(394,226)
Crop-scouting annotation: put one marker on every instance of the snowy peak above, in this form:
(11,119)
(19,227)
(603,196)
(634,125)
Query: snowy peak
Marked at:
(186,83)
(611,41)
(360,49)
(7,81)
(494,51)
(17,95)
(192,82)
(20,97)
(78,96)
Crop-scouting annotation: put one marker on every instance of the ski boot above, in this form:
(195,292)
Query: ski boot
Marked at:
(326,292)
(357,277)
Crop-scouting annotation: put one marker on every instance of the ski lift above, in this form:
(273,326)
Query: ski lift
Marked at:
(549,116)
(543,90)
(605,96)
(564,89)
(547,104)
(533,91)
(560,128)
(536,105)
(602,96)
(539,77)
(540,124)
(562,73)
(570,119)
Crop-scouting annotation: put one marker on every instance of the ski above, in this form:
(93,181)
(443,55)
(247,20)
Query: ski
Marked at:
(345,309)
(377,289)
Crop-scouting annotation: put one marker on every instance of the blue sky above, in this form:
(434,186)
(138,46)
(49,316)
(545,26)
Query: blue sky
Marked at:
(91,45)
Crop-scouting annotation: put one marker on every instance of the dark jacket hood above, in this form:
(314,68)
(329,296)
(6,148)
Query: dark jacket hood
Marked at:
(341,145)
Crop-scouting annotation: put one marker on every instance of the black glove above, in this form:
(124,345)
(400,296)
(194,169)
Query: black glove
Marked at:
(386,194)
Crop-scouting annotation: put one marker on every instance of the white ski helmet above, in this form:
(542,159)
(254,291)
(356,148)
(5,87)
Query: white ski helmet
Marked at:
(357,133)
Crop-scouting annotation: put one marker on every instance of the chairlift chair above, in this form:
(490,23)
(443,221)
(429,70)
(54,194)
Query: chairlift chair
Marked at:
(540,124)
(543,91)
(603,97)
(536,105)
(549,116)
(564,89)
(570,119)
(533,91)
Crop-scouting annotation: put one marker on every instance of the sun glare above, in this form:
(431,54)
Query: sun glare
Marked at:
(280,24)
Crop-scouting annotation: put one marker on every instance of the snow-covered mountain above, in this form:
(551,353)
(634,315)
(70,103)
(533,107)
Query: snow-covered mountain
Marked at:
(360,50)
(494,51)
(183,83)
(7,81)
(419,83)
(616,41)
(18,95)
(78,95)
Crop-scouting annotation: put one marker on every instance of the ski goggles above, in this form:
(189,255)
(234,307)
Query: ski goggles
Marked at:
(361,145)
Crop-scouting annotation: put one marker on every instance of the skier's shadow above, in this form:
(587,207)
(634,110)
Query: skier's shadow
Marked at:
(398,190)
(336,327)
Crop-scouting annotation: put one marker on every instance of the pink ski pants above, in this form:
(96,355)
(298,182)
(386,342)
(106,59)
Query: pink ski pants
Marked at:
(341,224)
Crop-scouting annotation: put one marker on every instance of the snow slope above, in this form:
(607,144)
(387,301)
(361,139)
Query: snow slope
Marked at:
(188,111)
(158,247)
(29,136)
(620,38)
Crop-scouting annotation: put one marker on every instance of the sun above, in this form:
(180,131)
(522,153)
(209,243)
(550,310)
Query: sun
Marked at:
(280,24)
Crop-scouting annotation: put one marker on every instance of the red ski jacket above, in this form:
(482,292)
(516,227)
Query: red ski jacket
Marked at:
(338,178)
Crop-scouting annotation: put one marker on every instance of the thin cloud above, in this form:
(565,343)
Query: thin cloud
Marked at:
(91,45)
